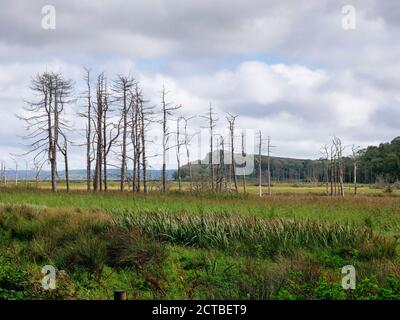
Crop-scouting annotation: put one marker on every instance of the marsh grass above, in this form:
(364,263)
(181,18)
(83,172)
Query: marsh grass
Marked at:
(256,236)
(198,246)
(379,213)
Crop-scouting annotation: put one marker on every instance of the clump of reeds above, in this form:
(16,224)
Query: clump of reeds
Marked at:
(254,235)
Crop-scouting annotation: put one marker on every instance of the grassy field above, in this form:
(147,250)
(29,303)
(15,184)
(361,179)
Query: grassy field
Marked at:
(292,245)
(278,188)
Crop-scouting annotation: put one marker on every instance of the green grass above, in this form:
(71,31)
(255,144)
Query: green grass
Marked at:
(198,246)
(279,188)
(381,212)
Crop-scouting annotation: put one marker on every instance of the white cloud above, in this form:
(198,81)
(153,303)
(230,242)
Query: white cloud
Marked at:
(286,67)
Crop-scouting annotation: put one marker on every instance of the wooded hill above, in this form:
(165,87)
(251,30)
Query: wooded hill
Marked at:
(375,163)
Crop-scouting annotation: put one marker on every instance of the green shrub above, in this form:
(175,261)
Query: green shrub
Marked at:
(391,291)
(325,290)
(14,283)
(131,248)
(87,253)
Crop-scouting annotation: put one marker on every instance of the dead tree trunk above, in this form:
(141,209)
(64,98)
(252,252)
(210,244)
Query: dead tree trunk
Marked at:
(98,178)
(143,137)
(137,139)
(211,125)
(326,167)
(167,111)
(178,153)
(109,135)
(144,119)
(340,170)
(244,173)
(259,164)
(64,151)
(332,170)
(231,121)
(122,88)
(52,123)
(187,141)
(269,167)
(88,116)
(355,160)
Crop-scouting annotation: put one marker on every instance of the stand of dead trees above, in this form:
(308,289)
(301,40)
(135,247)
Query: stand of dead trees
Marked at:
(116,118)
(117,121)
(139,121)
(334,168)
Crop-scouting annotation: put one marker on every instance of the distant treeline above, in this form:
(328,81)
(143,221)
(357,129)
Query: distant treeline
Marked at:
(375,163)
(382,162)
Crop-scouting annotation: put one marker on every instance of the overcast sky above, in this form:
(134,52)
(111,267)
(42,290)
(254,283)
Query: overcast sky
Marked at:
(286,67)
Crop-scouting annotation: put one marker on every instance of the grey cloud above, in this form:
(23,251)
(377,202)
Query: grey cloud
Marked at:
(194,39)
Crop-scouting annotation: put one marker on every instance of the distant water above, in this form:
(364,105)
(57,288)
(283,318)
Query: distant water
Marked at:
(77,175)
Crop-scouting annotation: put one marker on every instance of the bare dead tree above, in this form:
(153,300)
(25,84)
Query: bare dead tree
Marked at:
(135,140)
(355,155)
(44,118)
(88,115)
(325,153)
(138,140)
(187,140)
(167,111)
(231,121)
(38,164)
(218,173)
(340,165)
(62,128)
(143,124)
(98,142)
(139,121)
(269,146)
(221,172)
(212,121)
(64,151)
(62,94)
(269,166)
(332,170)
(145,116)
(260,141)
(337,167)
(122,88)
(179,143)
(244,155)
(111,132)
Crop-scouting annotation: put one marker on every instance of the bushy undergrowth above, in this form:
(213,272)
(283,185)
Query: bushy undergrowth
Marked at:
(129,247)
(81,244)
(190,256)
